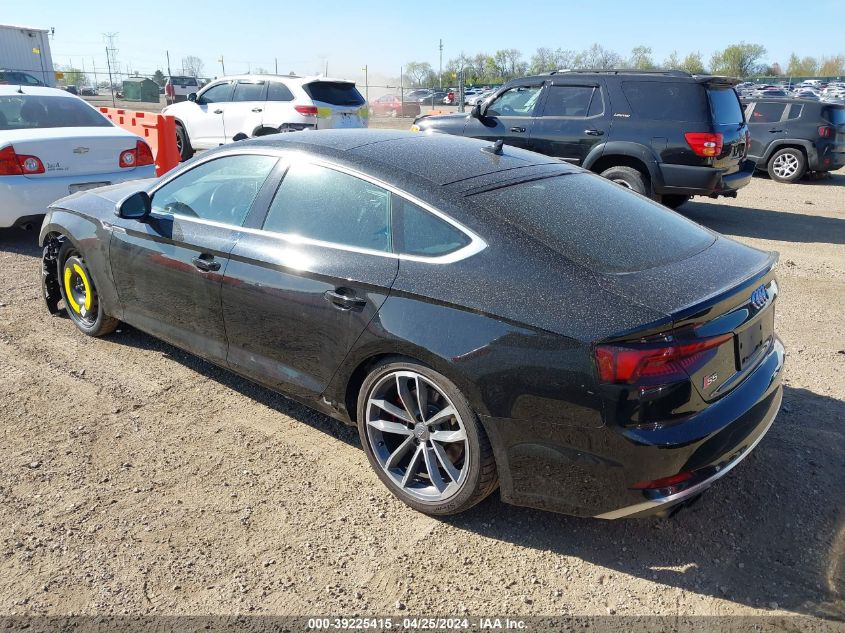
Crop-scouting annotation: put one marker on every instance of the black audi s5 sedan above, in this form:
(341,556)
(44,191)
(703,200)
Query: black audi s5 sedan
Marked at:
(487,316)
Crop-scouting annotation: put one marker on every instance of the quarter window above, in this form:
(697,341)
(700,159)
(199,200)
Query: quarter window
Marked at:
(220,190)
(767,112)
(422,233)
(277,91)
(795,111)
(327,205)
(573,101)
(670,101)
(517,101)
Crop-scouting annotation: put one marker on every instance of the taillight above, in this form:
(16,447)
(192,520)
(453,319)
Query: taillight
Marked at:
(825,131)
(705,143)
(306,110)
(747,140)
(668,361)
(14,164)
(665,482)
(138,156)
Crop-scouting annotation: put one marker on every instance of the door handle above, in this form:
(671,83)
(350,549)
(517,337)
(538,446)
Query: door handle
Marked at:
(256,109)
(218,112)
(206,263)
(518,130)
(594,132)
(775,131)
(343,301)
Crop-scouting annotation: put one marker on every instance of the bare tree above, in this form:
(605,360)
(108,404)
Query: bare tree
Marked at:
(192,66)
(641,58)
(421,73)
(597,57)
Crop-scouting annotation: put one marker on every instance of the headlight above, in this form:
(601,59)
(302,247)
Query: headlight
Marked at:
(415,128)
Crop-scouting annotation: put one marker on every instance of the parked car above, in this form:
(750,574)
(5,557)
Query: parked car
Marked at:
(479,97)
(88,92)
(790,137)
(18,78)
(626,360)
(668,135)
(435,98)
(178,87)
(449,99)
(71,89)
(53,144)
(392,105)
(242,106)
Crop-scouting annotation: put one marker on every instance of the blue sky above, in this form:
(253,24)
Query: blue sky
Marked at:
(304,36)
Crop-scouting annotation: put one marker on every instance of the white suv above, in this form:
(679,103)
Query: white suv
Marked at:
(234,108)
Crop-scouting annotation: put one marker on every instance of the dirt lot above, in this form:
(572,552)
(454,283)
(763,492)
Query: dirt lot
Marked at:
(135,478)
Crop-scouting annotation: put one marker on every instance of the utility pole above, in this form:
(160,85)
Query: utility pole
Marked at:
(276,60)
(111,83)
(168,63)
(222,65)
(440,74)
(96,82)
(366,82)
(402,89)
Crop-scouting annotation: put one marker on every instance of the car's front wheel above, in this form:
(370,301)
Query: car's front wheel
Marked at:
(423,440)
(787,165)
(80,294)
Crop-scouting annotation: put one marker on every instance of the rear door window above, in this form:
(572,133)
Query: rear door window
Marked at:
(725,106)
(323,204)
(249,91)
(596,223)
(795,111)
(767,112)
(339,93)
(670,101)
(572,101)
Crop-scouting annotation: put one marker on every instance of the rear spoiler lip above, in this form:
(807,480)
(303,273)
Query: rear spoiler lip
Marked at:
(717,80)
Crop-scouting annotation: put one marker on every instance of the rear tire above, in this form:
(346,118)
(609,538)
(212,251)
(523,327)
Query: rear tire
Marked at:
(80,295)
(675,201)
(629,178)
(787,165)
(183,143)
(447,475)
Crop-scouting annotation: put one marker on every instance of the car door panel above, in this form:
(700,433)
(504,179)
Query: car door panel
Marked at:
(500,120)
(765,124)
(205,123)
(245,112)
(574,119)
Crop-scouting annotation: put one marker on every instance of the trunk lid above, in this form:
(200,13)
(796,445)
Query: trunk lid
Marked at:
(727,289)
(339,104)
(73,151)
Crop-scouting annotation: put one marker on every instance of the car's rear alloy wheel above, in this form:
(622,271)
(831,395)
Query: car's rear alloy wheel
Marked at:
(629,178)
(423,440)
(80,295)
(787,165)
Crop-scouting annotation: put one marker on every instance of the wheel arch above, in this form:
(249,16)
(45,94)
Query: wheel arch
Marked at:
(620,154)
(806,147)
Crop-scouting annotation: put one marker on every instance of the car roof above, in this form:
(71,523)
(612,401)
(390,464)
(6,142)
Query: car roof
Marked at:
(44,91)
(439,159)
(296,79)
(782,100)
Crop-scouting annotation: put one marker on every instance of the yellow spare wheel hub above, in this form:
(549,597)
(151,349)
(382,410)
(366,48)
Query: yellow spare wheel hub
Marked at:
(77,288)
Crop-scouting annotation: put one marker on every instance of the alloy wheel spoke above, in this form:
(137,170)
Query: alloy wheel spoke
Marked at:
(422,397)
(390,427)
(443,458)
(433,472)
(449,436)
(406,397)
(413,467)
(397,455)
(442,415)
(393,410)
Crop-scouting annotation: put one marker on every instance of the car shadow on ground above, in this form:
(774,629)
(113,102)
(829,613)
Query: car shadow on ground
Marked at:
(19,242)
(766,225)
(773,531)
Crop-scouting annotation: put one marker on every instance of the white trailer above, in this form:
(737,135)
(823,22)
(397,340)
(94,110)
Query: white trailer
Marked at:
(27,49)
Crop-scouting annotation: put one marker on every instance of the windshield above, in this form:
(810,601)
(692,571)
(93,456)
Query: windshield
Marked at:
(597,223)
(725,105)
(835,115)
(20,112)
(339,93)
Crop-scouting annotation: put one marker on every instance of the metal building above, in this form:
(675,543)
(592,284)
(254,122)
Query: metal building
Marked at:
(28,50)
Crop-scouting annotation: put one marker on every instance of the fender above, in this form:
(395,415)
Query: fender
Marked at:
(809,149)
(92,238)
(625,148)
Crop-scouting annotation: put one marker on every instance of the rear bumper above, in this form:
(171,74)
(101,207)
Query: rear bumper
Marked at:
(590,472)
(703,181)
(21,197)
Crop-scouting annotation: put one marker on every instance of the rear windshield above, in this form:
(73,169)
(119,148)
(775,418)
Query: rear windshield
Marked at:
(725,106)
(596,223)
(183,81)
(339,93)
(670,101)
(20,112)
(835,115)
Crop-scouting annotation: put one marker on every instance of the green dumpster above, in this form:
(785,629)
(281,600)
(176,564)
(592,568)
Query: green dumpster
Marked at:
(140,89)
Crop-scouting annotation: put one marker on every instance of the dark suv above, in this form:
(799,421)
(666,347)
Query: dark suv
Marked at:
(668,135)
(790,137)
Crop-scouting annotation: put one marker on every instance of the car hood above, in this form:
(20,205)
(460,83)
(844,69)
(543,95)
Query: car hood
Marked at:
(452,123)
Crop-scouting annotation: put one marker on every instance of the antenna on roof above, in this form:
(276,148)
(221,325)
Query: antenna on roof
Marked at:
(495,148)
(20,89)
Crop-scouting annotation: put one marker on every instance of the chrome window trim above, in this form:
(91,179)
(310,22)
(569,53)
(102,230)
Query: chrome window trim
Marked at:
(290,157)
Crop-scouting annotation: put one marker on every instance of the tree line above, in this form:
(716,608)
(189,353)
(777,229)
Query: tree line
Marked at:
(737,60)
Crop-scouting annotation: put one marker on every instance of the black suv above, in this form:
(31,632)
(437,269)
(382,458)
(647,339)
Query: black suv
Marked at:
(668,135)
(790,137)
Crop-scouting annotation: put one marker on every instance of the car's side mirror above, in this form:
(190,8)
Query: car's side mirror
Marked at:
(475,113)
(134,207)
(192,96)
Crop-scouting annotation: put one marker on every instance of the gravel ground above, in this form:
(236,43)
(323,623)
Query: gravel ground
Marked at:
(135,478)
